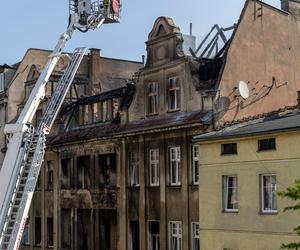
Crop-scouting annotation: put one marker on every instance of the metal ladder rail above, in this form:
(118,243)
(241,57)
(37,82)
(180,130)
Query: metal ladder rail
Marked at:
(13,236)
(10,210)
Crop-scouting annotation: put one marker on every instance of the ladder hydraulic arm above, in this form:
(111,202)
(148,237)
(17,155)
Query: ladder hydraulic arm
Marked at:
(24,156)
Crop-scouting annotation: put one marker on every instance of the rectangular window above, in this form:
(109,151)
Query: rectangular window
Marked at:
(134,169)
(174,94)
(65,173)
(195,236)
(26,234)
(175,236)
(152,98)
(154,167)
(229,149)
(154,235)
(83,172)
(230,193)
(38,231)
(50,232)
(268,193)
(266,144)
(38,117)
(175,166)
(2,82)
(134,235)
(50,169)
(195,162)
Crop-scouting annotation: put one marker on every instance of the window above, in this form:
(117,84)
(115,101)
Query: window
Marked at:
(195,236)
(268,193)
(134,169)
(26,234)
(174,94)
(83,172)
(175,166)
(38,231)
(153,232)
(50,175)
(266,144)
(152,98)
(49,232)
(2,82)
(230,193)
(65,175)
(97,112)
(38,117)
(154,167)
(175,236)
(195,162)
(134,235)
(229,148)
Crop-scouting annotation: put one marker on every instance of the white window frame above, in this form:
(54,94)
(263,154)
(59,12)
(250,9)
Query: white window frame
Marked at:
(149,236)
(176,90)
(134,169)
(195,163)
(195,234)
(175,160)
(177,234)
(154,167)
(150,95)
(272,210)
(225,193)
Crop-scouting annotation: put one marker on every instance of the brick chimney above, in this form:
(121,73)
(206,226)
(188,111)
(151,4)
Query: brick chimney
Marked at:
(291,6)
(94,71)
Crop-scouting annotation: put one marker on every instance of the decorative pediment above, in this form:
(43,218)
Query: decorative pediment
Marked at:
(163,26)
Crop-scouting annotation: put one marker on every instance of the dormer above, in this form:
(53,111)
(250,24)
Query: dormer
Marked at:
(164,42)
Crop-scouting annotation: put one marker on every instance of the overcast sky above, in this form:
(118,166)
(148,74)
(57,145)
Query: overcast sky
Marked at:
(38,24)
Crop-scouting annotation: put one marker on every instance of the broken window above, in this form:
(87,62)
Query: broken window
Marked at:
(38,117)
(153,232)
(26,234)
(154,167)
(38,183)
(38,231)
(50,238)
(65,173)
(134,168)
(83,172)
(175,235)
(107,169)
(66,228)
(97,112)
(175,166)
(50,170)
(134,235)
(174,94)
(152,98)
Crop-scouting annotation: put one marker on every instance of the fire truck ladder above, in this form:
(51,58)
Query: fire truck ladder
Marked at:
(32,157)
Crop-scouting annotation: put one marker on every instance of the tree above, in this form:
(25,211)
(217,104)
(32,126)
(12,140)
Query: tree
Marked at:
(292,193)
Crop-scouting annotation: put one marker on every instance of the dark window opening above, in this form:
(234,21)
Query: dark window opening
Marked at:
(135,235)
(37,230)
(107,169)
(266,144)
(50,232)
(50,170)
(154,242)
(65,175)
(83,172)
(229,148)
(66,228)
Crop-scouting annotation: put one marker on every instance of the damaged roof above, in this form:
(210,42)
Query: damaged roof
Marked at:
(104,130)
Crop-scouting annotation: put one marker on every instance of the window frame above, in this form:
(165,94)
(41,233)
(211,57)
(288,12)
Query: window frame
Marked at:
(269,147)
(152,95)
(195,179)
(225,194)
(134,168)
(194,236)
(155,163)
(177,161)
(50,235)
(178,235)
(26,238)
(234,151)
(177,94)
(149,234)
(36,243)
(262,195)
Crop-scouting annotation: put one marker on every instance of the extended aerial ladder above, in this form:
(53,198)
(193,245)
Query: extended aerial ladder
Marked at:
(26,147)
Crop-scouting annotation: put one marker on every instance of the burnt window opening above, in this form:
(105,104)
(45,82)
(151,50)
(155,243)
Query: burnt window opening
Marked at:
(66,228)
(37,231)
(50,174)
(50,238)
(38,117)
(83,172)
(135,235)
(134,169)
(107,170)
(267,144)
(229,149)
(65,173)
(152,98)
(38,186)
(174,94)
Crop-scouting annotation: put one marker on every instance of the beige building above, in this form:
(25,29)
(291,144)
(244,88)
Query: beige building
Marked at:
(242,167)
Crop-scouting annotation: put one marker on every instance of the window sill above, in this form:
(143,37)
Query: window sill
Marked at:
(134,187)
(173,110)
(153,186)
(266,150)
(174,185)
(268,212)
(230,211)
(151,115)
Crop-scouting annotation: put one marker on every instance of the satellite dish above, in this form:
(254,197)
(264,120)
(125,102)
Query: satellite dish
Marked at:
(243,89)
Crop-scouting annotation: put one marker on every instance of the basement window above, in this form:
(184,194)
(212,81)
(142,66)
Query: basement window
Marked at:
(267,144)
(229,149)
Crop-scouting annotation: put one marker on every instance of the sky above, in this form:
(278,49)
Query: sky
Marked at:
(39,23)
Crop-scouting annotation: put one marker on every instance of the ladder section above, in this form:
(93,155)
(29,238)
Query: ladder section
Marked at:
(33,154)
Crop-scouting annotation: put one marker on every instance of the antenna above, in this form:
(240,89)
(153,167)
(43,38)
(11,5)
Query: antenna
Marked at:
(244,90)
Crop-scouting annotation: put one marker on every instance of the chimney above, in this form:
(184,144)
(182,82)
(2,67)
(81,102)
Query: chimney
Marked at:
(291,6)
(94,71)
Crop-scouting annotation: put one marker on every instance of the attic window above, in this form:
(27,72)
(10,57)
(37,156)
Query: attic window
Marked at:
(229,149)
(267,144)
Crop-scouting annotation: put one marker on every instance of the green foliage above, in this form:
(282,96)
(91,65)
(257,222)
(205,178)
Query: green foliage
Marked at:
(292,193)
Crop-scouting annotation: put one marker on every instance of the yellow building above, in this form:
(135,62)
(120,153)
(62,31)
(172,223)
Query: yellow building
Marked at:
(242,167)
